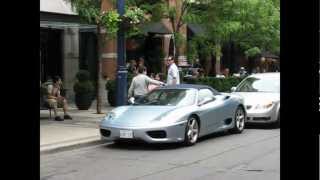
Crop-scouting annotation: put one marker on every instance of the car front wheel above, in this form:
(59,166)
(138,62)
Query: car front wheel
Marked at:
(192,131)
(239,120)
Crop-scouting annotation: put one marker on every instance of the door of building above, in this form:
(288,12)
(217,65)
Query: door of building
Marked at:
(50,53)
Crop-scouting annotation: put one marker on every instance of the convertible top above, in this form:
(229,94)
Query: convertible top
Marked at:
(189,86)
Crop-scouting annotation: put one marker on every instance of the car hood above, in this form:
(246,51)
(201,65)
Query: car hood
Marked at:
(253,98)
(134,116)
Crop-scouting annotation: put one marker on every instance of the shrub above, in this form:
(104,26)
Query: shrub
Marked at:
(83,75)
(220,84)
(83,89)
(111,88)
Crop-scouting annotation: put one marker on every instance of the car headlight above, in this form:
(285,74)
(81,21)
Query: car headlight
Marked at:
(110,116)
(264,106)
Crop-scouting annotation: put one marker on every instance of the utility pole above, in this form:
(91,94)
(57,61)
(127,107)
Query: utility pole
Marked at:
(121,94)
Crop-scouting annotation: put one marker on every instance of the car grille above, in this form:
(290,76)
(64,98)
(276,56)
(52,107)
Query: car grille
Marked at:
(261,118)
(157,134)
(105,132)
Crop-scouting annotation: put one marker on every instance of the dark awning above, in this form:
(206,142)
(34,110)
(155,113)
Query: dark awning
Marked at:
(196,29)
(267,54)
(157,28)
(63,25)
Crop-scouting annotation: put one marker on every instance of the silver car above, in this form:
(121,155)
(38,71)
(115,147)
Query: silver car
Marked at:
(180,113)
(261,93)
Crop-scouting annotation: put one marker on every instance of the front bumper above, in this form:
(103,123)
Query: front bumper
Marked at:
(174,133)
(262,116)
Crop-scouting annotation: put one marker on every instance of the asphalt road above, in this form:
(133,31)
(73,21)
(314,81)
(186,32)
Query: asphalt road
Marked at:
(252,155)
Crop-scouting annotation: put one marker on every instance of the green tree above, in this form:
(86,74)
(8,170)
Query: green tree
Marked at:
(181,13)
(91,12)
(254,25)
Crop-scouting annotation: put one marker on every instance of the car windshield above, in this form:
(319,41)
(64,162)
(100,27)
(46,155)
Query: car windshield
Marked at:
(168,97)
(265,84)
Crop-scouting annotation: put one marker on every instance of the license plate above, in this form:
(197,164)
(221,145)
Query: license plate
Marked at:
(126,134)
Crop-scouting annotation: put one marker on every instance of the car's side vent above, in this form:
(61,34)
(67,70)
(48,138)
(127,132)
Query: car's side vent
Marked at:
(262,118)
(249,107)
(227,97)
(157,134)
(105,133)
(228,121)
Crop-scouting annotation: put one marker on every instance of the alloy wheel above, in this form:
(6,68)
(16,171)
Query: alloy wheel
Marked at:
(240,117)
(193,130)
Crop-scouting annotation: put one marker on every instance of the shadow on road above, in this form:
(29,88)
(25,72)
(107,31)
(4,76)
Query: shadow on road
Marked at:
(261,126)
(140,145)
(213,136)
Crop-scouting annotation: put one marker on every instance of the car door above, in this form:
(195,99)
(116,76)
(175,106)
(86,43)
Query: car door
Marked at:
(224,110)
(208,114)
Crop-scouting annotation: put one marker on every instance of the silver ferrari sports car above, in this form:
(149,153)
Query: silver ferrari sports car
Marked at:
(261,93)
(180,113)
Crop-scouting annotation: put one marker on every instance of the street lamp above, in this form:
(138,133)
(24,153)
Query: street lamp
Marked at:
(121,94)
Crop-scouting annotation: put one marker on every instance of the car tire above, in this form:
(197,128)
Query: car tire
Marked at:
(239,121)
(191,132)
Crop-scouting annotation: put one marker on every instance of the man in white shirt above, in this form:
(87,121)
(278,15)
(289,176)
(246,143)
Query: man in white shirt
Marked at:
(173,77)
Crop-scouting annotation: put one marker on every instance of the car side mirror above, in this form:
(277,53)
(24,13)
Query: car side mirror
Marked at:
(233,89)
(205,101)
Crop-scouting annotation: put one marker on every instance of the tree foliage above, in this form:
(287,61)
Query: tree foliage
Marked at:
(248,23)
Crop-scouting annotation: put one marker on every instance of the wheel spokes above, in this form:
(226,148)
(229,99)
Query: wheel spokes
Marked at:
(240,119)
(192,130)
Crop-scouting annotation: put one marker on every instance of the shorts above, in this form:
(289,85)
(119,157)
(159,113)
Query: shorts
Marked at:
(56,102)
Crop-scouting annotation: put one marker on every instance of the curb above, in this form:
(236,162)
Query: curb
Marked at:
(68,147)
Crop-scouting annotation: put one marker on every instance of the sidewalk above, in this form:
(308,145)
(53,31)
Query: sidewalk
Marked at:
(82,130)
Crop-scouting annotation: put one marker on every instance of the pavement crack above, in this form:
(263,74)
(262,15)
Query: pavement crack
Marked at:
(255,170)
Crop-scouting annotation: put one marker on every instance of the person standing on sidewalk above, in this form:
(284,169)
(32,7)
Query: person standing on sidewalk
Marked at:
(55,99)
(173,76)
(139,84)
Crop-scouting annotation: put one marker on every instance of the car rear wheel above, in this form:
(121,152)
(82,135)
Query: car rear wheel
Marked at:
(192,131)
(239,120)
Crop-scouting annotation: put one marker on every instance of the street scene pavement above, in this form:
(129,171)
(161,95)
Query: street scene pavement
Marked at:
(252,155)
(81,130)
(190,66)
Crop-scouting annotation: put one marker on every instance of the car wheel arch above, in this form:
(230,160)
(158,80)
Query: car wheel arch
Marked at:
(243,107)
(197,118)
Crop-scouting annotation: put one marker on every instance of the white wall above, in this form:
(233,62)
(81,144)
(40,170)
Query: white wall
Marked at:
(56,6)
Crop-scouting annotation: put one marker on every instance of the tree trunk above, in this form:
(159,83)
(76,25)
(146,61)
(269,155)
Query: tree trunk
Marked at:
(99,47)
(217,66)
(208,64)
(233,58)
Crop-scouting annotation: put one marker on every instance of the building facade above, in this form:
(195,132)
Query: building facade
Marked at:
(66,44)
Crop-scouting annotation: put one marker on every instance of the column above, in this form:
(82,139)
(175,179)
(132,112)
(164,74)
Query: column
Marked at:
(109,55)
(182,58)
(70,51)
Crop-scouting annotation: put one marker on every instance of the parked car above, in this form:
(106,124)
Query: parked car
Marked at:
(180,113)
(261,93)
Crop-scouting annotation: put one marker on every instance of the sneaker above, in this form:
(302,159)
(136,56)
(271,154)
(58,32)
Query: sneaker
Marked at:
(58,118)
(67,117)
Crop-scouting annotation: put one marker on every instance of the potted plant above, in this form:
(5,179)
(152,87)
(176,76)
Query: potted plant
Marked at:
(111,88)
(83,89)
(130,21)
